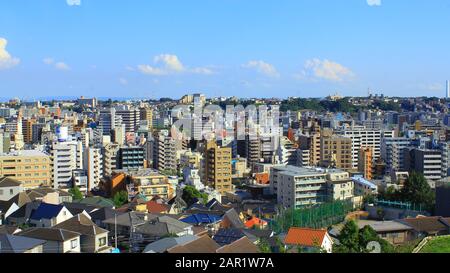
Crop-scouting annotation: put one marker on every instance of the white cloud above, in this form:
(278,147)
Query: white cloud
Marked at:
(263,68)
(56,64)
(165,64)
(316,69)
(123,81)
(150,70)
(374,3)
(171,62)
(62,66)
(73,2)
(48,61)
(6,60)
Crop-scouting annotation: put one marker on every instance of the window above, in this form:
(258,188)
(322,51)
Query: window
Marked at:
(74,243)
(102,241)
(11,192)
(1,192)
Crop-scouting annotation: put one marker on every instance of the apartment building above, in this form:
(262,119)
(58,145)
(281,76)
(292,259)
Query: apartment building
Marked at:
(66,157)
(130,117)
(296,187)
(31,167)
(339,185)
(147,182)
(425,161)
(110,153)
(335,151)
(164,152)
(93,165)
(365,162)
(130,157)
(362,137)
(218,169)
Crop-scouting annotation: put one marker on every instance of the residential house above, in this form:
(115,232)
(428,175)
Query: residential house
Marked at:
(49,195)
(23,214)
(19,244)
(6,209)
(97,201)
(48,215)
(309,240)
(57,240)
(203,244)
(101,214)
(428,226)
(164,244)
(231,219)
(240,246)
(9,188)
(392,231)
(93,239)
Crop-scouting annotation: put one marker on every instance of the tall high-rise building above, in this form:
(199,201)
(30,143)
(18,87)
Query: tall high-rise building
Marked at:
(130,157)
(146,113)
(130,117)
(110,153)
(108,120)
(218,167)
(365,161)
(164,155)
(335,151)
(66,157)
(93,164)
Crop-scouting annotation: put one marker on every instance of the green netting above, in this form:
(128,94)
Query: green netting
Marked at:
(318,216)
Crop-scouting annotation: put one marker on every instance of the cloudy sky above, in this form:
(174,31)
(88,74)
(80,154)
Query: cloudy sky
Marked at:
(246,48)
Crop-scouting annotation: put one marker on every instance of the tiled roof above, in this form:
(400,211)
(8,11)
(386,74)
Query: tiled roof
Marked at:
(8,182)
(305,236)
(426,224)
(202,245)
(154,207)
(81,224)
(233,218)
(226,236)
(46,211)
(255,221)
(49,234)
(201,218)
(243,245)
(17,244)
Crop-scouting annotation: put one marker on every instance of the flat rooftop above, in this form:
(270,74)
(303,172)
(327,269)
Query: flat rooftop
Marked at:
(299,171)
(24,153)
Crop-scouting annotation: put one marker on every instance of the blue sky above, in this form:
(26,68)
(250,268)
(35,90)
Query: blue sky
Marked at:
(246,48)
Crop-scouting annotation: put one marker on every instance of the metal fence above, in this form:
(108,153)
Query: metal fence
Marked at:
(318,216)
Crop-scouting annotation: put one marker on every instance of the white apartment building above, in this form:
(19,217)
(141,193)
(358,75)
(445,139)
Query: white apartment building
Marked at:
(296,187)
(110,152)
(93,164)
(365,138)
(65,157)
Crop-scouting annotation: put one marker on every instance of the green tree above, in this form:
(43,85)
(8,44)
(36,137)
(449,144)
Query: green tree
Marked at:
(264,246)
(76,193)
(349,238)
(120,198)
(417,190)
(190,193)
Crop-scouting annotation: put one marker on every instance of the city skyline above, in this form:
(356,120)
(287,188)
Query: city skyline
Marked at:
(68,48)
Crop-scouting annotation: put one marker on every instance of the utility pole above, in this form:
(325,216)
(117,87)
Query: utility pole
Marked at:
(115,229)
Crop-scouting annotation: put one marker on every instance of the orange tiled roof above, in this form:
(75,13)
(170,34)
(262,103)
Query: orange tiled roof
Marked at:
(305,236)
(262,178)
(154,207)
(255,221)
